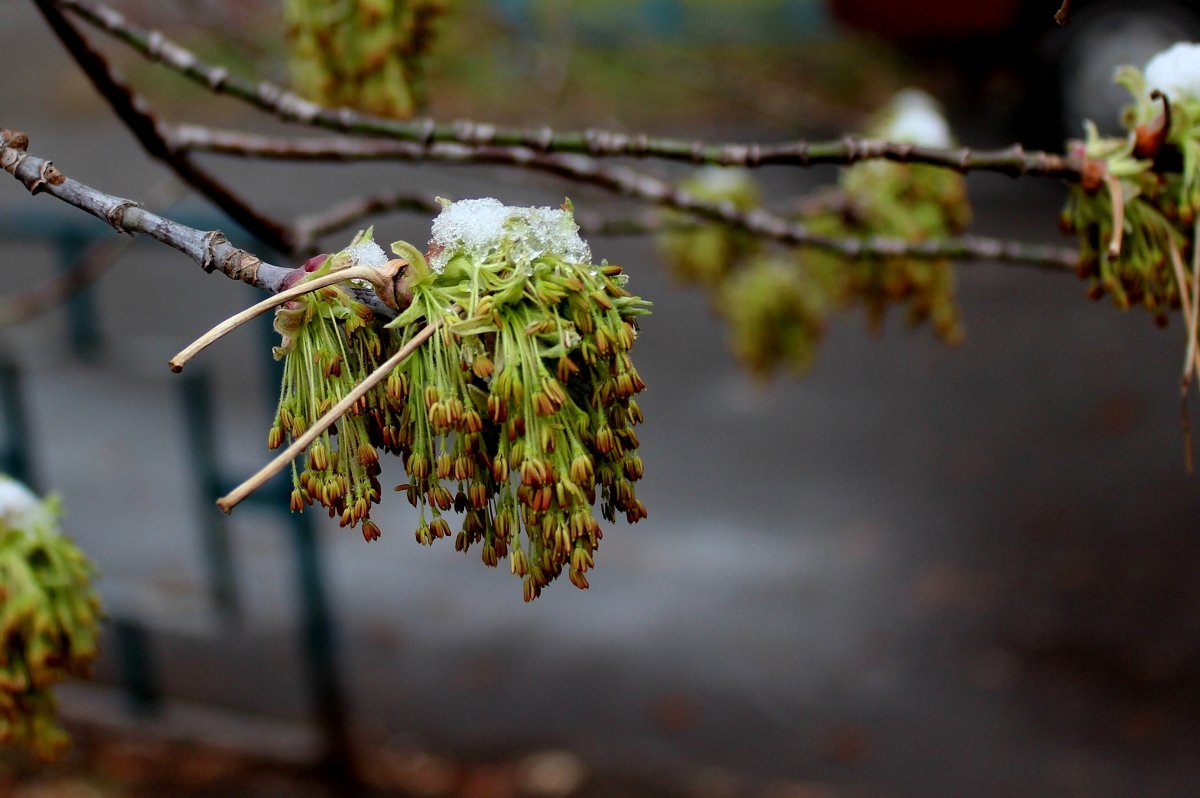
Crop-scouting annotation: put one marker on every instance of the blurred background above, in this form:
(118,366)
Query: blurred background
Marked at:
(920,570)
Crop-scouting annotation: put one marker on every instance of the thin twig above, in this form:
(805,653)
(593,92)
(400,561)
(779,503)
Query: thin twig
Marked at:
(1190,308)
(209,249)
(273,99)
(235,497)
(624,181)
(1117,199)
(370,273)
(135,112)
(1195,294)
(1193,356)
(352,211)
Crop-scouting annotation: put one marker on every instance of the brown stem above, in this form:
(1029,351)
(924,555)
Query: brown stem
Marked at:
(1117,198)
(1190,306)
(235,497)
(376,275)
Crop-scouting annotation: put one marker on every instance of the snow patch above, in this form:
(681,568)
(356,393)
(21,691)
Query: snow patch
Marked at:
(1175,71)
(481,227)
(19,507)
(366,253)
(916,118)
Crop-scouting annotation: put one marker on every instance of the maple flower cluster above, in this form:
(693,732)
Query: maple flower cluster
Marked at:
(518,413)
(1136,205)
(777,301)
(49,619)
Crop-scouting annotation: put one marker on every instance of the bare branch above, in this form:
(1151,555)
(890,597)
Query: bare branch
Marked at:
(210,249)
(135,112)
(352,211)
(620,180)
(290,107)
(381,277)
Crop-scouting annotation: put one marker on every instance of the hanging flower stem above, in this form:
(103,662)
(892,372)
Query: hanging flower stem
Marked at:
(235,497)
(380,277)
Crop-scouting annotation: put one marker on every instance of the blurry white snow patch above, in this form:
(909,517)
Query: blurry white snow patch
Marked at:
(478,228)
(1175,71)
(19,507)
(913,117)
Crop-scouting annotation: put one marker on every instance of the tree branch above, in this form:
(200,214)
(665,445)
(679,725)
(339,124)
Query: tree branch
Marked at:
(620,180)
(135,112)
(210,249)
(349,212)
(290,107)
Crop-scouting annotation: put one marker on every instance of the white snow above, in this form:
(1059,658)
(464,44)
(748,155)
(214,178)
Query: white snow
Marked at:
(916,118)
(480,227)
(366,253)
(1175,71)
(19,507)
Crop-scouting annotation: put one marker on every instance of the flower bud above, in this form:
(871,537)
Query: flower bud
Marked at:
(370,530)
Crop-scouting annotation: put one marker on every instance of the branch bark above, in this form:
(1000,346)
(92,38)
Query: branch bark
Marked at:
(620,180)
(285,105)
(135,112)
(209,249)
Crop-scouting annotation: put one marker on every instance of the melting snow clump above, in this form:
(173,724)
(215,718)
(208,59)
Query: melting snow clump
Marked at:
(19,507)
(1175,71)
(479,228)
(916,118)
(366,253)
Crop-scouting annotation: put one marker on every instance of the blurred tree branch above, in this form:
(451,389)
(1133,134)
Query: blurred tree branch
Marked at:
(137,115)
(572,156)
(285,105)
(209,249)
(620,180)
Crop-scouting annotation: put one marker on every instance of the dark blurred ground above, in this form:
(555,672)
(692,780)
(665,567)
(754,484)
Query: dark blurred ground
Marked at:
(920,571)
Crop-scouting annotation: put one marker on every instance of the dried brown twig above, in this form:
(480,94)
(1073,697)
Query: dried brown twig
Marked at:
(297,447)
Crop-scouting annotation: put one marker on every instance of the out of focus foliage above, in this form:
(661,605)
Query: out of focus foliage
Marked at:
(49,619)
(365,54)
(777,300)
